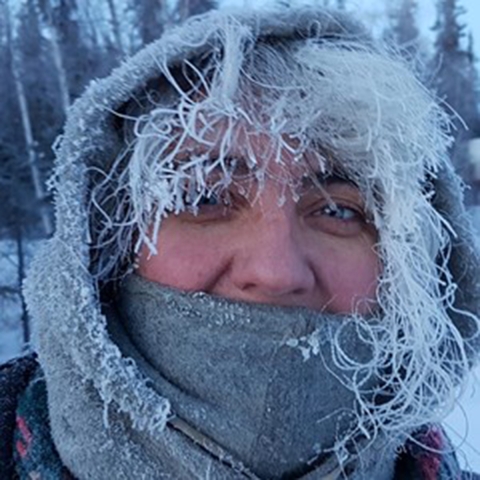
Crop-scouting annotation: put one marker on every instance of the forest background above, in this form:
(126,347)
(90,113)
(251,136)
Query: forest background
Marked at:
(51,49)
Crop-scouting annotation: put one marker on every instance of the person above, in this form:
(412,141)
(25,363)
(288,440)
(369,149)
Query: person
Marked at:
(262,267)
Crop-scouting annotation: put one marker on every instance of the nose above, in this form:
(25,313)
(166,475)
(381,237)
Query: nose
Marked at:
(272,265)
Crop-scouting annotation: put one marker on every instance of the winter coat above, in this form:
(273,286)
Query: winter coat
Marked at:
(392,140)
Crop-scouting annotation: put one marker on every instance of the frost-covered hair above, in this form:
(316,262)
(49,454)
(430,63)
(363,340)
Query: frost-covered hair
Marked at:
(345,105)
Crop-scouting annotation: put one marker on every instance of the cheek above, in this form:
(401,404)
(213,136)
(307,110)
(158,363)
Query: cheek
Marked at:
(187,262)
(350,275)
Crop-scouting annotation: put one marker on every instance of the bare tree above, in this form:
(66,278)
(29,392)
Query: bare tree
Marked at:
(18,211)
(116,27)
(53,37)
(403,29)
(403,32)
(151,18)
(455,80)
(188,8)
(453,61)
(30,144)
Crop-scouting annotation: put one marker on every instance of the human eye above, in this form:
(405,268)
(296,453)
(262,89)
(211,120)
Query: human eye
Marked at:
(339,212)
(213,200)
(336,208)
(208,206)
(339,218)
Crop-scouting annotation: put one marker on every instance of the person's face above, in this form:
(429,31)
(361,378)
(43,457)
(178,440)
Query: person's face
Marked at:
(302,252)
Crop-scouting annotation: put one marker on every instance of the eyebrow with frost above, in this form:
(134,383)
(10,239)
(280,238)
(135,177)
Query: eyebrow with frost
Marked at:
(232,181)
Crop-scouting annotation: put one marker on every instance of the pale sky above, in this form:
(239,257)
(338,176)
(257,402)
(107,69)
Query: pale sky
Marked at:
(372,9)
(427,15)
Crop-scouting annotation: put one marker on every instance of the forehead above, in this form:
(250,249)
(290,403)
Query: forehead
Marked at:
(290,105)
(251,148)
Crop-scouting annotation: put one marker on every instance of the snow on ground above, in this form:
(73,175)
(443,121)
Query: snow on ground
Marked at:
(463,425)
(10,344)
(10,310)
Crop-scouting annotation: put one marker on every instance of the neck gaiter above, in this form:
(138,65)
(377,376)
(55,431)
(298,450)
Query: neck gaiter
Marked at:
(254,382)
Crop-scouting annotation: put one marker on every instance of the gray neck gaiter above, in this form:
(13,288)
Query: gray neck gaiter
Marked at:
(256,381)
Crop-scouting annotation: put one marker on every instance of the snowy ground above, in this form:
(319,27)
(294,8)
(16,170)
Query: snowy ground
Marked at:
(10,311)
(463,424)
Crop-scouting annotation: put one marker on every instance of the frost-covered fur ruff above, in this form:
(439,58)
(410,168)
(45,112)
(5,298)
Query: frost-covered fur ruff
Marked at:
(315,83)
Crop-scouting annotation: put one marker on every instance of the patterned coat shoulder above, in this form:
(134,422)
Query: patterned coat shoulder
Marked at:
(15,376)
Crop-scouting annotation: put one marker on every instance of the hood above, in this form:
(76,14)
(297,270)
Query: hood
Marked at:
(394,143)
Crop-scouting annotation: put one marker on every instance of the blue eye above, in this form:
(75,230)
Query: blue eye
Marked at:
(210,204)
(339,212)
(211,200)
(337,219)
